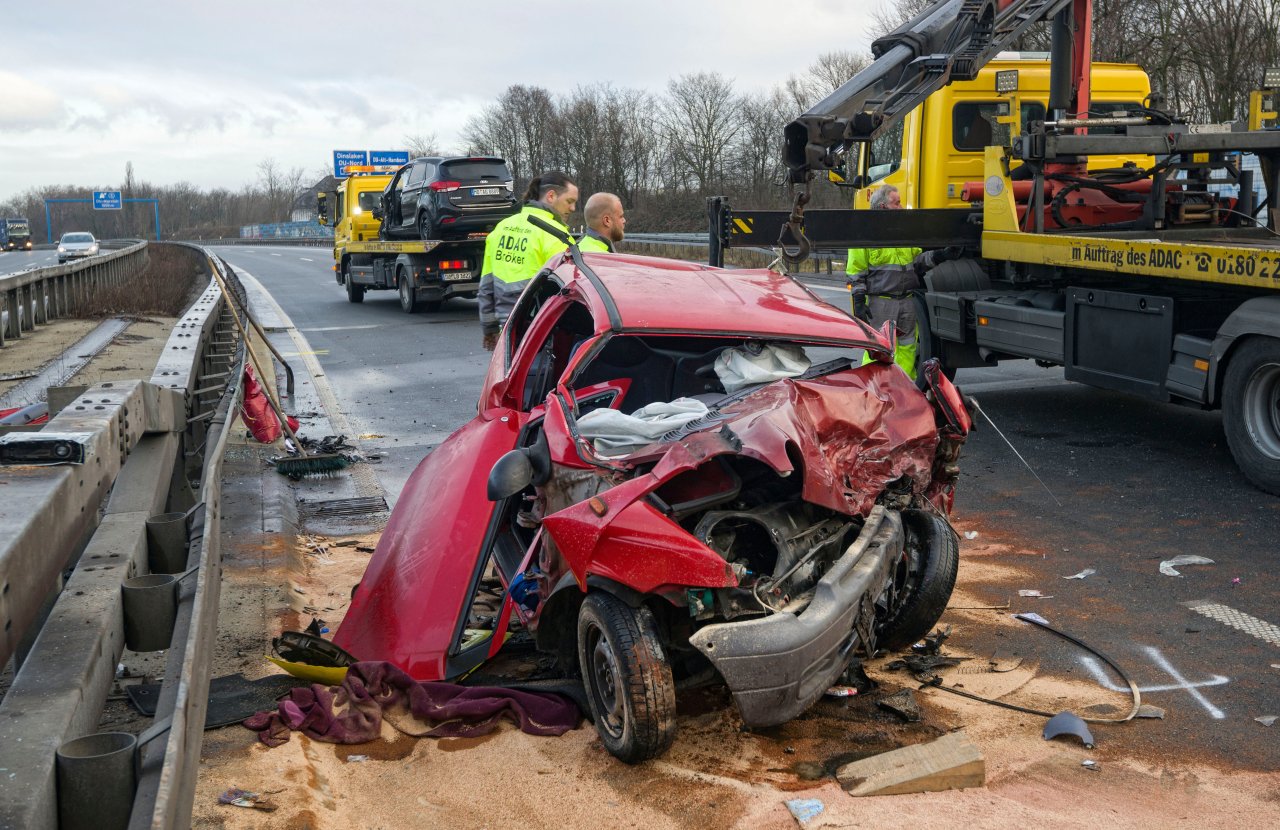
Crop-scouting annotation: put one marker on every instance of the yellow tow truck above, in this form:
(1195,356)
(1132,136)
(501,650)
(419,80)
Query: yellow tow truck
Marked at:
(424,273)
(1098,232)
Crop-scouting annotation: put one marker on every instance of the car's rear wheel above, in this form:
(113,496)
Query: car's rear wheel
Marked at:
(424,225)
(923,581)
(628,680)
(408,294)
(355,293)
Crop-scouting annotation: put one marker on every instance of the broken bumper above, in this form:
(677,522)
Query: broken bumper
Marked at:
(777,666)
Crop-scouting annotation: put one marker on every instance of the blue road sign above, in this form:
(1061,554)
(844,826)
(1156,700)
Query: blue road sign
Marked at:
(389,157)
(106,200)
(344,158)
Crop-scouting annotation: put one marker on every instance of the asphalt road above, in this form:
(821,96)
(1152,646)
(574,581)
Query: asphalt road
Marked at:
(1138,482)
(11,261)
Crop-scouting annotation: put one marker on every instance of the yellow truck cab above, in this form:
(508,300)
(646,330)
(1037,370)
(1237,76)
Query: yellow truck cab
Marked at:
(353,202)
(930,154)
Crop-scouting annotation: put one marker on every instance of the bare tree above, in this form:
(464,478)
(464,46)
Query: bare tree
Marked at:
(280,188)
(422,144)
(701,118)
(823,77)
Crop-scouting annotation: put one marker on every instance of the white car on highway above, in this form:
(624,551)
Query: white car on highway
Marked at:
(76,244)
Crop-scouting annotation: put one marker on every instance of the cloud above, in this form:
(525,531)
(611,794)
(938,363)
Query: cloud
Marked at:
(28,105)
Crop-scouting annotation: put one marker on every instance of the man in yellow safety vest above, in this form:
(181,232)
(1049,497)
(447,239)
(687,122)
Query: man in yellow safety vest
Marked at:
(517,249)
(881,281)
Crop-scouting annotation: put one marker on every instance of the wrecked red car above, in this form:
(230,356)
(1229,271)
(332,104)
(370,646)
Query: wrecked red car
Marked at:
(662,486)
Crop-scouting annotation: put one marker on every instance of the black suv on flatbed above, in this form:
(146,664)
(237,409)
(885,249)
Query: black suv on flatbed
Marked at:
(447,198)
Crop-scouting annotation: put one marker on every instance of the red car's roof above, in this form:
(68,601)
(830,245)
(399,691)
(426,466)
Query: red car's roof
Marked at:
(657,294)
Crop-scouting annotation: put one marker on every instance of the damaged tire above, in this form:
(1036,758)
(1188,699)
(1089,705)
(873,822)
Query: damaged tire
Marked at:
(925,579)
(628,681)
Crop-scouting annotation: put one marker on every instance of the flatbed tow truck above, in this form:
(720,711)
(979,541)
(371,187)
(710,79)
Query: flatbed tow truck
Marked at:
(1141,277)
(424,273)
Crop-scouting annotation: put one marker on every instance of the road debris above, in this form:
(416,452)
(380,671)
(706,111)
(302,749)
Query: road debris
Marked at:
(1031,592)
(1067,723)
(237,797)
(951,762)
(841,691)
(1266,720)
(357,759)
(922,665)
(1169,566)
(1082,574)
(903,704)
(1146,710)
(805,810)
(971,535)
(1091,765)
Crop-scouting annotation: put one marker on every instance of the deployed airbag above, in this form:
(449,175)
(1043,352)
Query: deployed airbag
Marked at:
(759,363)
(616,433)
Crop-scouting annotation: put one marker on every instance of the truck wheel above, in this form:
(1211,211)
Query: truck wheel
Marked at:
(1251,411)
(355,293)
(629,687)
(923,580)
(408,294)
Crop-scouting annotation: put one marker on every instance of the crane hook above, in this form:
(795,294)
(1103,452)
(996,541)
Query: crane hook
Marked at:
(791,239)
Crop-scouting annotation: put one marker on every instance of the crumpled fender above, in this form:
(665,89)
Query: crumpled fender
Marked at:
(619,535)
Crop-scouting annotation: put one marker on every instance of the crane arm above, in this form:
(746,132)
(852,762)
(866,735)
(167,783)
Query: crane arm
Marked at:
(950,40)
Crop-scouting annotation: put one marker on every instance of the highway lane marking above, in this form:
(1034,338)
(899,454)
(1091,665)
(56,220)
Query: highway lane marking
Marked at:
(1238,620)
(273,253)
(305,259)
(1180,683)
(343,328)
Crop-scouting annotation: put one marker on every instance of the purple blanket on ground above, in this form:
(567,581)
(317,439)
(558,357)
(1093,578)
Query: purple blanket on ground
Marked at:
(352,713)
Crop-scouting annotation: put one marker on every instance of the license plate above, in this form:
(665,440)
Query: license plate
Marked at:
(485,191)
(456,276)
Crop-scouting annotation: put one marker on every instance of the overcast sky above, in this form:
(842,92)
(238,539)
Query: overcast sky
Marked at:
(202,92)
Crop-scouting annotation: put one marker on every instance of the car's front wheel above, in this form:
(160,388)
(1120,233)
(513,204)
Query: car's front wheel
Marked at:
(628,681)
(923,580)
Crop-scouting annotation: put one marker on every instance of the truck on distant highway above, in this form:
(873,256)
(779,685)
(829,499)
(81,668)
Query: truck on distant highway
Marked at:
(15,234)
(424,273)
(1093,227)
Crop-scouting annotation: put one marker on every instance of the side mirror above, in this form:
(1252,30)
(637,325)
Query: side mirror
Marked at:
(510,475)
(519,468)
(322,209)
(378,212)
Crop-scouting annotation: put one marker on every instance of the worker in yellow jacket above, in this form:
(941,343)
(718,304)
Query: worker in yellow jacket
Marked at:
(517,249)
(606,223)
(881,282)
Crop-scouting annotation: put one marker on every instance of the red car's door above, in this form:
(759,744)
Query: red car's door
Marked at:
(411,605)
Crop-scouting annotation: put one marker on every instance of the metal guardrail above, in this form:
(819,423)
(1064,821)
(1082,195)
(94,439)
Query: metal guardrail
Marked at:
(34,297)
(144,441)
(822,260)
